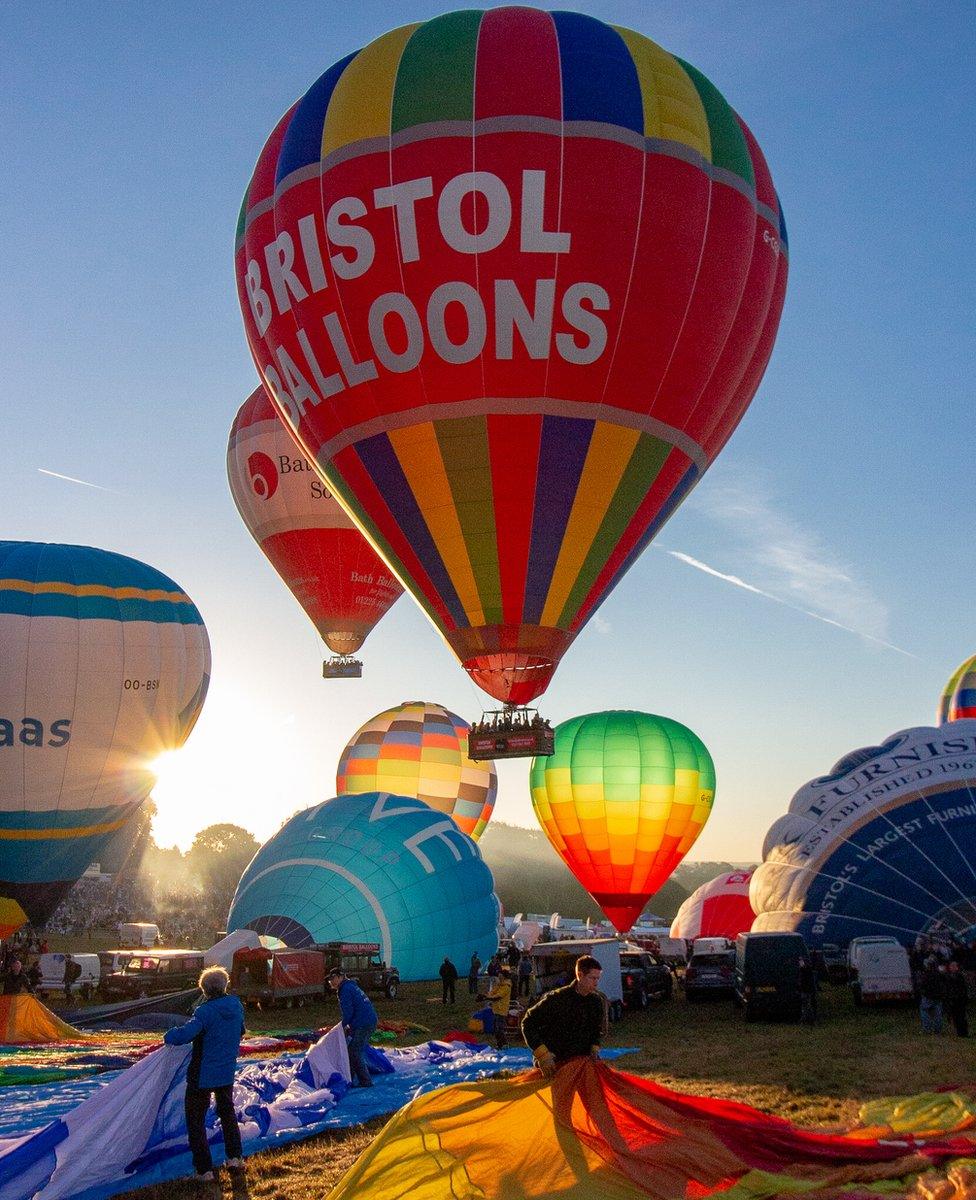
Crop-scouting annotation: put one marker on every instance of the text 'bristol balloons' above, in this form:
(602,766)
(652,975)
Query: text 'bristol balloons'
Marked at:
(373,868)
(330,568)
(104,664)
(419,749)
(623,799)
(513,277)
(719,908)
(883,845)
(958,700)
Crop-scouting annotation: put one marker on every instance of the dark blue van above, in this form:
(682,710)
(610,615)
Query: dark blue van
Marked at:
(767,974)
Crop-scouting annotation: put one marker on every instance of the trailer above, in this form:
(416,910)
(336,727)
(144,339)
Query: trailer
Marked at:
(553,964)
(278,978)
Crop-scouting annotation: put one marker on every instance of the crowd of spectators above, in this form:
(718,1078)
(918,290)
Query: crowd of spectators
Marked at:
(98,905)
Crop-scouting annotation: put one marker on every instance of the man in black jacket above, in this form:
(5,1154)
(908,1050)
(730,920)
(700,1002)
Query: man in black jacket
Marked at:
(956,998)
(449,976)
(568,1021)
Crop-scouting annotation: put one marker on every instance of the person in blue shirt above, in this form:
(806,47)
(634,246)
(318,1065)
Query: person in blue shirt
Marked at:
(215,1031)
(358,1019)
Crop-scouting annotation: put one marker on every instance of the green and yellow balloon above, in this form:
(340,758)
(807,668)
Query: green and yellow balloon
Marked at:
(623,799)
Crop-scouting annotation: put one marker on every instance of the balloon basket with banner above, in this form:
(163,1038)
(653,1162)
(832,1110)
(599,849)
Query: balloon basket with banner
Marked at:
(342,666)
(510,732)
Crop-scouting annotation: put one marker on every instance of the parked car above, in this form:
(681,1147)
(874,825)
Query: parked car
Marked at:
(152,974)
(710,973)
(278,978)
(52,974)
(361,961)
(767,974)
(833,960)
(881,971)
(643,978)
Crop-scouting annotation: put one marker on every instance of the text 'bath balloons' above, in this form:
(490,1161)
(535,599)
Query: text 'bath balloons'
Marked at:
(104,664)
(373,868)
(885,844)
(420,749)
(719,908)
(958,700)
(329,567)
(512,277)
(623,799)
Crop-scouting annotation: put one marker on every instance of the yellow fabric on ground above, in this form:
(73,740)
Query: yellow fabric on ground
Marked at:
(927,1114)
(24,1020)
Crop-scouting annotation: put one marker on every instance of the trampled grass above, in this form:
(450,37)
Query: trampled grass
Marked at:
(812,1076)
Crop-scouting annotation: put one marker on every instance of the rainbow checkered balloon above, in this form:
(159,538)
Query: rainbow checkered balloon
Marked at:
(420,749)
(959,697)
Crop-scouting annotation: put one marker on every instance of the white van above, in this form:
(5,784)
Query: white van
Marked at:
(52,974)
(879,969)
(138,933)
(711,945)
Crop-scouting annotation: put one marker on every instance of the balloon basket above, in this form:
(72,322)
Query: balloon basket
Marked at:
(342,667)
(510,732)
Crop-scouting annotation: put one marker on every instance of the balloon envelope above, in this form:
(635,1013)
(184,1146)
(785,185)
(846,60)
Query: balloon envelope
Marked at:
(104,664)
(419,749)
(958,700)
(623,799)
(719,908)
(373,868)
(884,845)
(513,278)
(329,567)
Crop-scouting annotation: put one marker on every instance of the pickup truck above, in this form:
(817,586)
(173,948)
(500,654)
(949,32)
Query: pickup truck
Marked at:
(644,977)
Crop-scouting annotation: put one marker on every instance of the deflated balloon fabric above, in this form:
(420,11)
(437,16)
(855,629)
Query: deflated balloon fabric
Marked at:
(599,1134)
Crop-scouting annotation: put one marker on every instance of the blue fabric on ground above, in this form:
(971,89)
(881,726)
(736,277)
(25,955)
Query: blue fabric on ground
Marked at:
(409,1073)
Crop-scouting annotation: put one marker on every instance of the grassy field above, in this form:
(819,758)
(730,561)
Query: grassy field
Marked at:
(812,1076)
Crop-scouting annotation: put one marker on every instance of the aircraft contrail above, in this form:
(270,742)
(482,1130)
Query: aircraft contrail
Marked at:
(741,583)
(71,479)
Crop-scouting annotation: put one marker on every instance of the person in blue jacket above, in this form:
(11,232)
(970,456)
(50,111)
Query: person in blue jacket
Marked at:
(358,1019)
(215,1031)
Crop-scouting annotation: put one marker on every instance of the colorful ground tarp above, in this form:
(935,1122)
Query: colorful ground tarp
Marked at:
(599,1134)
(95,1137)
(24,1019)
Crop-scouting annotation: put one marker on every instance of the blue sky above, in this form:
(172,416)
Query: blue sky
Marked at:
(846,495)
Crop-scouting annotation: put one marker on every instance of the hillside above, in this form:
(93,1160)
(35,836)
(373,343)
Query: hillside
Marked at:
(531,877)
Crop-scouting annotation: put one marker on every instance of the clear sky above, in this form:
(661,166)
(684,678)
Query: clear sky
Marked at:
(844,501)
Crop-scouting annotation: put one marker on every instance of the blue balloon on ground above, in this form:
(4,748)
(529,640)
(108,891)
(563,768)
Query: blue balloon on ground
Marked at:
(373,868)
(883,845)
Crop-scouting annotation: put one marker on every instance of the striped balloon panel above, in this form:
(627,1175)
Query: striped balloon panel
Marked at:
(958,700)
(623,799)
(329,567)
(508,443)
(420,749)
(105,664)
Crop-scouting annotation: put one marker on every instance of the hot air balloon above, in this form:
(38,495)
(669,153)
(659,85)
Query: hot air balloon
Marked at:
(373,868)
(719,908)
(884,844)
(512,278)
(420,749)
(623,799)
(104,664)
(959,697)
(330,568)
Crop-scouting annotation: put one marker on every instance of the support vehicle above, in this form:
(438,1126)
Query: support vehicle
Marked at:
(643,977)
(361,961)
(766,977)
(553,964)
(154,974)
(52,975)
(879,971)
(278,978)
